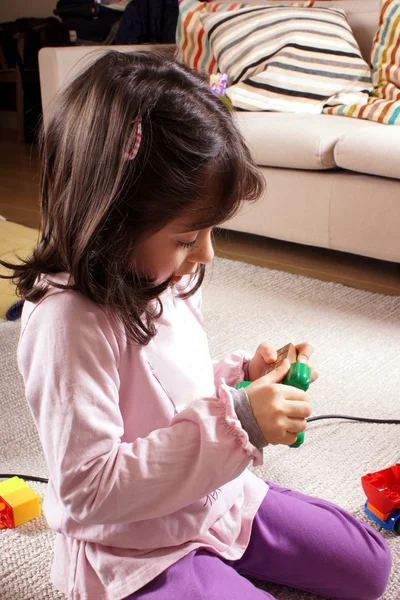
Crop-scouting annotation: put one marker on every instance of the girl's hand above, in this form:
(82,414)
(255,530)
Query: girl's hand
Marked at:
(280,410)
(266,354)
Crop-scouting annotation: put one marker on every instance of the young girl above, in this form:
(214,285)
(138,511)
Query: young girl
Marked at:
(147,441)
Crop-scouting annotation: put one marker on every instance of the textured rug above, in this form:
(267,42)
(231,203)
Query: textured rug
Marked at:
(357,340)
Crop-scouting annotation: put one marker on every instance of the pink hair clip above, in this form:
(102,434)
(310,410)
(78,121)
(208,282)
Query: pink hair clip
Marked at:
(131,155)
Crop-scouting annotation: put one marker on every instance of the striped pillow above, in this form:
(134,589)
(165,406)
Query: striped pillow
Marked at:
(193,45)
(383,105)
(285,58)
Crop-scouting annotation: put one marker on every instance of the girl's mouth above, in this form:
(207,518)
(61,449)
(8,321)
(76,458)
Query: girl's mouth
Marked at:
(177,278)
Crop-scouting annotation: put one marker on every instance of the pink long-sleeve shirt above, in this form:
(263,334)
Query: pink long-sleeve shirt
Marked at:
(147,458)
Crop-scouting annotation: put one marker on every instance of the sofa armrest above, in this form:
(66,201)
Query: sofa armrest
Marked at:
(57,66)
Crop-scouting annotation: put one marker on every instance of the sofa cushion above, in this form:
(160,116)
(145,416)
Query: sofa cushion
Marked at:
(286,58)
(376,154)
(298,141)
(193,45)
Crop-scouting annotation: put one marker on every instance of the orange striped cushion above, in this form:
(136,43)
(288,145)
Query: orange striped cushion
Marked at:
(383,105)
(193,46)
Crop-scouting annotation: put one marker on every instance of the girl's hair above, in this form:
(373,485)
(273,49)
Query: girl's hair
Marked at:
(96,206)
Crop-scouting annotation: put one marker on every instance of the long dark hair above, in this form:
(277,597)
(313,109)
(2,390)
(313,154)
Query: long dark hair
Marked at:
(96,205)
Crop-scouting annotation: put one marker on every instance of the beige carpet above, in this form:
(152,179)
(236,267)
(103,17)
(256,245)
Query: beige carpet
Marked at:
(357,340)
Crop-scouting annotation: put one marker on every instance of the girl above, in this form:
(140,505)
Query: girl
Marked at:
(147,441)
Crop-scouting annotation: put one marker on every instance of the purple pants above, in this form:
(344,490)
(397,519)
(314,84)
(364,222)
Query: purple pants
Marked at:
(297,540)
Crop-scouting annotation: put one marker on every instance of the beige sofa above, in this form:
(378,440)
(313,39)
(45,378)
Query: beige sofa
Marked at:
(332,182)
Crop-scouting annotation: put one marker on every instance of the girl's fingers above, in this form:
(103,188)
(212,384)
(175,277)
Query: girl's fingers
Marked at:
(289,439)
(267,352)
(277,375)
(297,410)
(296,425)
(288,391)
(304,351)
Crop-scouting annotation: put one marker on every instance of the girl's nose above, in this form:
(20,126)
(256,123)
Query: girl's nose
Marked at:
(204,252)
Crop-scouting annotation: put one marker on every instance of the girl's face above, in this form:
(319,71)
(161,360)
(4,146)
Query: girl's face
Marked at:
(174,251)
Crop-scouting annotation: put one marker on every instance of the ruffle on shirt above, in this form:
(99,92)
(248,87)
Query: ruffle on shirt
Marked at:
(225,405)
(232,369)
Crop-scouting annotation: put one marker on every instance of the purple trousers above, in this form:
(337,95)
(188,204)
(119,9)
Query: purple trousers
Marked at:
(297,540)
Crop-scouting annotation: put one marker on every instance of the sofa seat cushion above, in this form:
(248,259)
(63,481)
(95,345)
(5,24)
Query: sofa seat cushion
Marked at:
(298,141)
(376,154)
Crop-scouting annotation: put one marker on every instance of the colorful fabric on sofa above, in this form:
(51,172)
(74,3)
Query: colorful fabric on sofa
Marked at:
(193,46)
(383,105)
(285,58)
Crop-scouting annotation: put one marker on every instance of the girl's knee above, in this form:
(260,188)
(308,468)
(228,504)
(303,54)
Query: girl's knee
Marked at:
(374,574)
(381,572)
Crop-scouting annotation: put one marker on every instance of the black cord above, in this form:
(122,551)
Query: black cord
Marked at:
(362,419)
(309,420)
(28,477)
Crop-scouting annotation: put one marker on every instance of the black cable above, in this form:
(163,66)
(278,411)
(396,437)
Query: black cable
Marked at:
(28,477)
(309,420)
(362,419)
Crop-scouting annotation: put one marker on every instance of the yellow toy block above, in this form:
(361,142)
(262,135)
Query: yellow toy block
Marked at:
(14,240)
(19,503)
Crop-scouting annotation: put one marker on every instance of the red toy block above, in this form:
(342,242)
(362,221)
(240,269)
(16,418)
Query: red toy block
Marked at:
(383,489)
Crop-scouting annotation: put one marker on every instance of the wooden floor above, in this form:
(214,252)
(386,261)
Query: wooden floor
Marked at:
(19,180)
(19,185)
(327,265)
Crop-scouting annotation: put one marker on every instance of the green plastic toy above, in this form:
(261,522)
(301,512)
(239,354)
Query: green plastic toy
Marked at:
(299,376)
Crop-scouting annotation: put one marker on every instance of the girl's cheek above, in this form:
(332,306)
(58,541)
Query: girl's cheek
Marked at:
(167,271)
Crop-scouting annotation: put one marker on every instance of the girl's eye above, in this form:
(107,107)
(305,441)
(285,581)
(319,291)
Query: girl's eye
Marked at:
(188,244)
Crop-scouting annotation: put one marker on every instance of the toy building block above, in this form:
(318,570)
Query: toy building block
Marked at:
(382,489)
(19,503)
(288,351)
(299,374)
